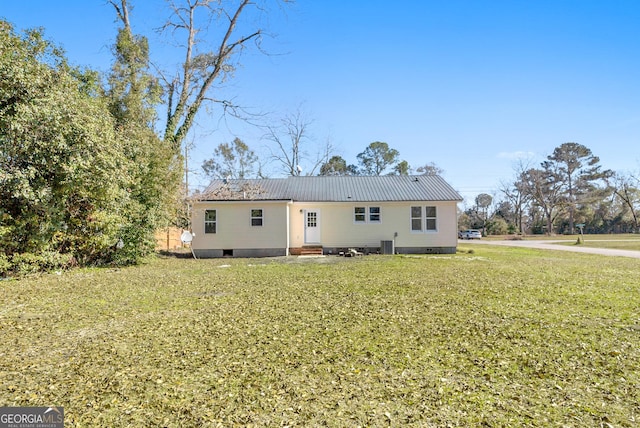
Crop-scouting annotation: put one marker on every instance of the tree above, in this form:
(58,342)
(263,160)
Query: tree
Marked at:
(545,191)
(627,188)
(377,157)
(337,166)
(505,211)
(205,65)
(292,138)
(516,193)
(577,170)
(497,226)
(133,91)
(402,168)
(154,177)
(430,169)
(483,202)
(64,177)
(233,160)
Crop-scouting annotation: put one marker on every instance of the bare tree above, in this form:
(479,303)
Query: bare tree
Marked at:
(292,141)
(213,34)
(122,10)
(627,188)
(516,192)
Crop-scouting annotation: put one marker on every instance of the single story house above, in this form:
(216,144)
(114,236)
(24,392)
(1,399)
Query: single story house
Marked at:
(329,214)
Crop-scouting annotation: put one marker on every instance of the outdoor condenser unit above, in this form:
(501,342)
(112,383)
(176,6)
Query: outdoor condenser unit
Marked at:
(387,247)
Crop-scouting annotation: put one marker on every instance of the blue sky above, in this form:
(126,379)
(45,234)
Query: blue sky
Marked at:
(471,85)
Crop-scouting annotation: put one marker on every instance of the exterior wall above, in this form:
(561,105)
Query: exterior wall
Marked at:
(242,252)
(339,229)
(234,232)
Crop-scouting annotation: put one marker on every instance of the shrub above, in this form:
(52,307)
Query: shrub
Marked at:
(29,263)
(25,263)
(5,265)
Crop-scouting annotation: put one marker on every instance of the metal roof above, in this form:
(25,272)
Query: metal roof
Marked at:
(383,188)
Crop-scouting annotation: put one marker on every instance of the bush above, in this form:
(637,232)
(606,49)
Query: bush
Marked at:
(79,172)
(25,263)
(5,265)
(497,227)
(29,263)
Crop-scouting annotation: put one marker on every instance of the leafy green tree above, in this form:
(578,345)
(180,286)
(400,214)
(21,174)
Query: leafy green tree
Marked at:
(82,173)
(234,160)
(483,202)
(546,193)
(377,157)
(154,171)
(337,166)
(497,226)
(430,169)
(402,168)
(577,170)
(63,173)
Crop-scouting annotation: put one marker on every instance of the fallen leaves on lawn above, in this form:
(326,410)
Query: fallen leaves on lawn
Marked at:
(503,337)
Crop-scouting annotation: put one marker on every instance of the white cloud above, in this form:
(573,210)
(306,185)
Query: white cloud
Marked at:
(516,155)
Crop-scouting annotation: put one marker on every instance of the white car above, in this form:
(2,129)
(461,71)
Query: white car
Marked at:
(470,234)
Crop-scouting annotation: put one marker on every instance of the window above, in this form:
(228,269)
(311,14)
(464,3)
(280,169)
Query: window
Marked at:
(374,214)
(210,222)
(366,215)
(312,219)
(256,217)
(424,219)
(416,219)
(430,218)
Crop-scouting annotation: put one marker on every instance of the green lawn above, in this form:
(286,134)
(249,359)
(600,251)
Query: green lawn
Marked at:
(612,242)
(498,337)
(623,241)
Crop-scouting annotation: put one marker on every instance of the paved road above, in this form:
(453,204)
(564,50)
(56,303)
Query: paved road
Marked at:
(549,245)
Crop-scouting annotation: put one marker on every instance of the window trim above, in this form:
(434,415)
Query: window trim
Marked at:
(367,214)
(434,218)
(211,222)
(260,217)
(424,219)
(413,218)
(372,214)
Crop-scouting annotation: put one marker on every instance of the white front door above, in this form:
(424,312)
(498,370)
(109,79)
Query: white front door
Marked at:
(312,227)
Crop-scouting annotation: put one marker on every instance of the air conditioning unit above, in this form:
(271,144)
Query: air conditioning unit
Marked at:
(387,247)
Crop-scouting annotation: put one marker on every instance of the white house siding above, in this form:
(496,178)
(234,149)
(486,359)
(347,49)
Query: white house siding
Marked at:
(339,229)
(235,235)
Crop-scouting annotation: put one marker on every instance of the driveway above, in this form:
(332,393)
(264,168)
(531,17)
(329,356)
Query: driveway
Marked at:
(551,245)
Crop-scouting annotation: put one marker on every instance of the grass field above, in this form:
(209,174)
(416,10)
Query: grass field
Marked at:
(623,241)
(627,242)
(498,337)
